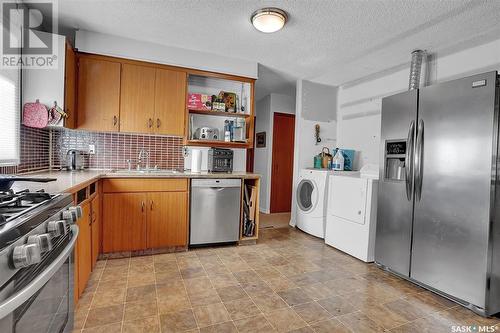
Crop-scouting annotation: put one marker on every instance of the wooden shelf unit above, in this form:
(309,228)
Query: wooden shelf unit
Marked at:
(218,143)
(219,113)
(211,84)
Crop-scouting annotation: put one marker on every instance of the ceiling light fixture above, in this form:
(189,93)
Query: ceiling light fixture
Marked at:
(269,19)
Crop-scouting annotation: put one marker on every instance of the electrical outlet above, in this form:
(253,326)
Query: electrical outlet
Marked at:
(91,149)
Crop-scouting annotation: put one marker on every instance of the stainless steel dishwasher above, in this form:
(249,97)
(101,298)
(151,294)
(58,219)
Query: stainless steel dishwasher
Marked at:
(215,211)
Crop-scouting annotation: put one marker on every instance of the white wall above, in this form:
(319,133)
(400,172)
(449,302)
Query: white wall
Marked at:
(93,42)
(323,106)
(262,155)
(264,111)
(360,104)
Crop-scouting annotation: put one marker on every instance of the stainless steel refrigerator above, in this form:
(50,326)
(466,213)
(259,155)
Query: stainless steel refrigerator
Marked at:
(439,190)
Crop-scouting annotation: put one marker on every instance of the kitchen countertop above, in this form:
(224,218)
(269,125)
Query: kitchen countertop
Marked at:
(70,181)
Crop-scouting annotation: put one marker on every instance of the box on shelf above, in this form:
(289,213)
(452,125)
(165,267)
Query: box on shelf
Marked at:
(199,101)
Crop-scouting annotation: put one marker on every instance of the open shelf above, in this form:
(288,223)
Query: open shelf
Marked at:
(252,186)
(199,117)
(218,143)
(218,113)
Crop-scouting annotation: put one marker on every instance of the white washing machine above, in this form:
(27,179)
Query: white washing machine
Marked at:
(352,213)
(311,201)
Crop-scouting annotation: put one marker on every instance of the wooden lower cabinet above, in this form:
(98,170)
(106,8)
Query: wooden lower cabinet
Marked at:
(96,227)
(124,222)
(144,220)
(167,219)
(84,258)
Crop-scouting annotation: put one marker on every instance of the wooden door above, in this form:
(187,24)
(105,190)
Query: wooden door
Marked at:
(167,219)
(98,97)
(137,99)
(96,227)
(250,159)
(84,248)
(124,222)
(70,87)
(282,162)
(170,102)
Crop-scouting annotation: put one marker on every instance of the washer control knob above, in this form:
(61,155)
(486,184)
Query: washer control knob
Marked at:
(57,228)
(43,241)
(26,255)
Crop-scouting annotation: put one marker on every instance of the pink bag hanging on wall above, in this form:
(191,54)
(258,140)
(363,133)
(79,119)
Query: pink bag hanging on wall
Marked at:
(35,115)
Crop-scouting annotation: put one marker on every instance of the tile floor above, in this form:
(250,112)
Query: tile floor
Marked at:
(276,220)
(288,282)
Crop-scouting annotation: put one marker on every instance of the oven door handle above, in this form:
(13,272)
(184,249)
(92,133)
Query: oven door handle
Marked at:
(13,302)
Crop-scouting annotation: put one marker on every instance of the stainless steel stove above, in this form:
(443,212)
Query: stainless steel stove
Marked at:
(38,232)
(14,204)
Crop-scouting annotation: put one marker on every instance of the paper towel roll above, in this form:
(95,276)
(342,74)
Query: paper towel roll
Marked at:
(195,160)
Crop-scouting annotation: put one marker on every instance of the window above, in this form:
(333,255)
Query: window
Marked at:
(10,113)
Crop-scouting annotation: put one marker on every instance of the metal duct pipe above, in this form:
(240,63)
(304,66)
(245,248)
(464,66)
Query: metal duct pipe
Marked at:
(415,69)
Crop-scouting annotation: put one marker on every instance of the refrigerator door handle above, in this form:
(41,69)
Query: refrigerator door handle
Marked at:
(409,161)
(418,159)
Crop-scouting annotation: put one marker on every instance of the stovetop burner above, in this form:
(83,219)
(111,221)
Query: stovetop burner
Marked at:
(14,204)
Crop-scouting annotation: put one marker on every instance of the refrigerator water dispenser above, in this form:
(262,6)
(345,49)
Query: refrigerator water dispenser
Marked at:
(395,152)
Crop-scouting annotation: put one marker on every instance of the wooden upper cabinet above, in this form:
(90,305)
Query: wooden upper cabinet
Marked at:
(170,102)
(137,99)
(98,94)
(167,219)
(70,87)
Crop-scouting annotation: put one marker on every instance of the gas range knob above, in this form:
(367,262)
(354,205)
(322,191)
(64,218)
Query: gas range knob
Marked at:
(70,216)
(43,241)
(57,228)
(77,210)
(26,255)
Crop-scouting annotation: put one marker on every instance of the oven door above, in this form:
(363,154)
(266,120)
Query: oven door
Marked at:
(41,297)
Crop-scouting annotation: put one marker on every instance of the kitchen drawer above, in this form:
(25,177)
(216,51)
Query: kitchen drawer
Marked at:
(115,185)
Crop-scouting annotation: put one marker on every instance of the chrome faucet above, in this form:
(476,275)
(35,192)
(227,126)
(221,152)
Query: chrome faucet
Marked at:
(143,153)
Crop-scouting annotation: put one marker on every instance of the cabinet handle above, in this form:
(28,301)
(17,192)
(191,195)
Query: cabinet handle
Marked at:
(142,206)
(158,123)
(115,120)
(150,123)
(151,205)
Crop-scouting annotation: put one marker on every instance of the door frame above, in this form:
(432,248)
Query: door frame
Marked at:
(273,146)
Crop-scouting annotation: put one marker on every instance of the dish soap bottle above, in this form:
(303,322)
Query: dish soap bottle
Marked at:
(338,161)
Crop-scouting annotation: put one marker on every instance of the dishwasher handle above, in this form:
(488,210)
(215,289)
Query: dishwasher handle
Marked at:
(216,183)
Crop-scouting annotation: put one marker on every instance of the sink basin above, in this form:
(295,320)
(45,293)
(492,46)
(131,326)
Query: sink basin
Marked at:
(147,171)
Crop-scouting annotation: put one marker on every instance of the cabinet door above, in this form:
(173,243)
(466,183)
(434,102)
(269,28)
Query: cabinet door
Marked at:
(170,102)
(167,219)
(70,87)
(98,94)
(84,248)
(96,226)
(137,99)
(124,222)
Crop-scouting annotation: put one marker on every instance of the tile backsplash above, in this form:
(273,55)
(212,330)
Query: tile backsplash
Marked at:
(44,149)
(35,151)
(112,150)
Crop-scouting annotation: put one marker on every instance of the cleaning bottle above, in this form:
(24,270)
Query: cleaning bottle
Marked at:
(338,161)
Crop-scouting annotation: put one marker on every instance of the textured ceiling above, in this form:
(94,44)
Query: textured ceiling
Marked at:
(326,41)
